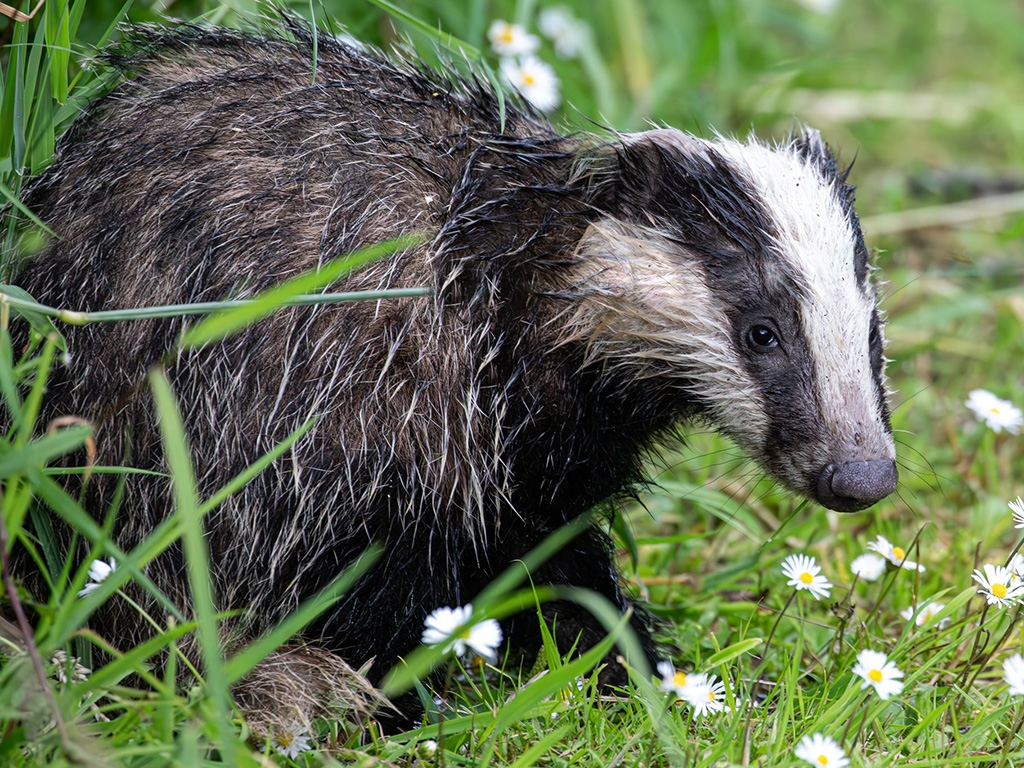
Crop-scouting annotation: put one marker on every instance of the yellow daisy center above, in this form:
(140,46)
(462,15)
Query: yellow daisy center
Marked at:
(999,590)
(284,739)
(898,553)
(806,577)
(994,410)
(679,678)
(822,759)
(529,79)
(875,675)
(507,35)
(711,695)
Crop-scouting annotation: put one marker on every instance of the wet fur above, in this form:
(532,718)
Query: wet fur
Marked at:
(587,298)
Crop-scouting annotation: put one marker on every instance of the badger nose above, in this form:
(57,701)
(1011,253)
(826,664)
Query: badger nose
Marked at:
(856,485)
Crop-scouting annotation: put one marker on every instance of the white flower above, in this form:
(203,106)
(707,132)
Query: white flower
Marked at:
(1016,568)
(705,694)
(927,612)
(998,585)
(509,39)
(672,680)
(534,80)
(1013,673)
(1017,507)
(454,628)
(563,29)
(804,573)
(427,749)
(821,751)
(996,413)
(63,666)
(895,555)
(868,567)
(879,673)
(98,571)
(291,744)
(819,6)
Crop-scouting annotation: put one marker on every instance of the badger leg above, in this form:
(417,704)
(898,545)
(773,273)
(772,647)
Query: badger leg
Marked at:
(585,562)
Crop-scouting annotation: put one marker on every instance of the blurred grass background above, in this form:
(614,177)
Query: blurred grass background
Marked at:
(924,94)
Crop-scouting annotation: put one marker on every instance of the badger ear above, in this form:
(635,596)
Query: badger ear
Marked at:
(808,144)
(637,174)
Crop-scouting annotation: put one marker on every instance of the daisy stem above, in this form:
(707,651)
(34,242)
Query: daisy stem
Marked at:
(1011,735)
(756,684)
(860,729)
(982,663)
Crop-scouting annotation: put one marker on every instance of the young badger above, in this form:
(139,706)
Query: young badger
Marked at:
(588,296)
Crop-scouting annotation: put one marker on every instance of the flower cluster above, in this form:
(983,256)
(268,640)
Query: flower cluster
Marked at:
(704,694)
(522,68)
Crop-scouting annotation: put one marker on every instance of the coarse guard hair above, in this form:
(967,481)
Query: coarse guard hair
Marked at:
(589,294)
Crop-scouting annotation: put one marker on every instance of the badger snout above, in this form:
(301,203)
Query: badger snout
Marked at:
(856,485)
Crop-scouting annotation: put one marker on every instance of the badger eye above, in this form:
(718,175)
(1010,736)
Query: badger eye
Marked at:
(762,338)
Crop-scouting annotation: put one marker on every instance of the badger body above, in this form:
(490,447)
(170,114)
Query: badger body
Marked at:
(588,295)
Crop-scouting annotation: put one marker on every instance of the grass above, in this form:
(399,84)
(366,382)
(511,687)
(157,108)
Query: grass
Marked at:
(705,545)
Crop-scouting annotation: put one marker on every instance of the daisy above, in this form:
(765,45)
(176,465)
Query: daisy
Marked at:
(1016,568)
(879,673)
(290,744)
(996,413)
(868,567)
(998,585)
(1017,507)
(822,751)
(509,39)
(563,29)
(674,681)
(927,612)
(98,571)
(1013,673)
(454,628)
(706,694)
(63,666)
(534,80)
(895,555)
(804,573)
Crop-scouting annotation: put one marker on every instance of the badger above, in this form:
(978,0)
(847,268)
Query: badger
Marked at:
(588,294)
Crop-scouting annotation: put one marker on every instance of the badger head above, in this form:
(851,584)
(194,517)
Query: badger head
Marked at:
(736,275)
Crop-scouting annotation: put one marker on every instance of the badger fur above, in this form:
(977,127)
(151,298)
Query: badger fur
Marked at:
(588,295)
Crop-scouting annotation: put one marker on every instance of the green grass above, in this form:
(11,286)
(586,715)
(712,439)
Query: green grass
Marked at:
(705,545)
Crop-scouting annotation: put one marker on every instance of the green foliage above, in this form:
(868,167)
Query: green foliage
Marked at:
(930,109)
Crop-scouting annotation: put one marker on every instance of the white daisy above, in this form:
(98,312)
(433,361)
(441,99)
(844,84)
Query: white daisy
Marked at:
(868,567)
(1013,673)
(821,751)
(291,744)
(895,555)
(819,6)
(879,673)
(563,29)
(455,628)
(509,39)
(997,414)
(805,573)
(927,612)
(673,680)
(98,571)
(62,666)
(534,80)
(998,585)
(1017,507)
(705,694)
(1016,568)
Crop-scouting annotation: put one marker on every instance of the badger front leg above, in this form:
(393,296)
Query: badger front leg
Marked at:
(585,562)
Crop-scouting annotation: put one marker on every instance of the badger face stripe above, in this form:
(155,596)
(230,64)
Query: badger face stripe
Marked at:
(819,249)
